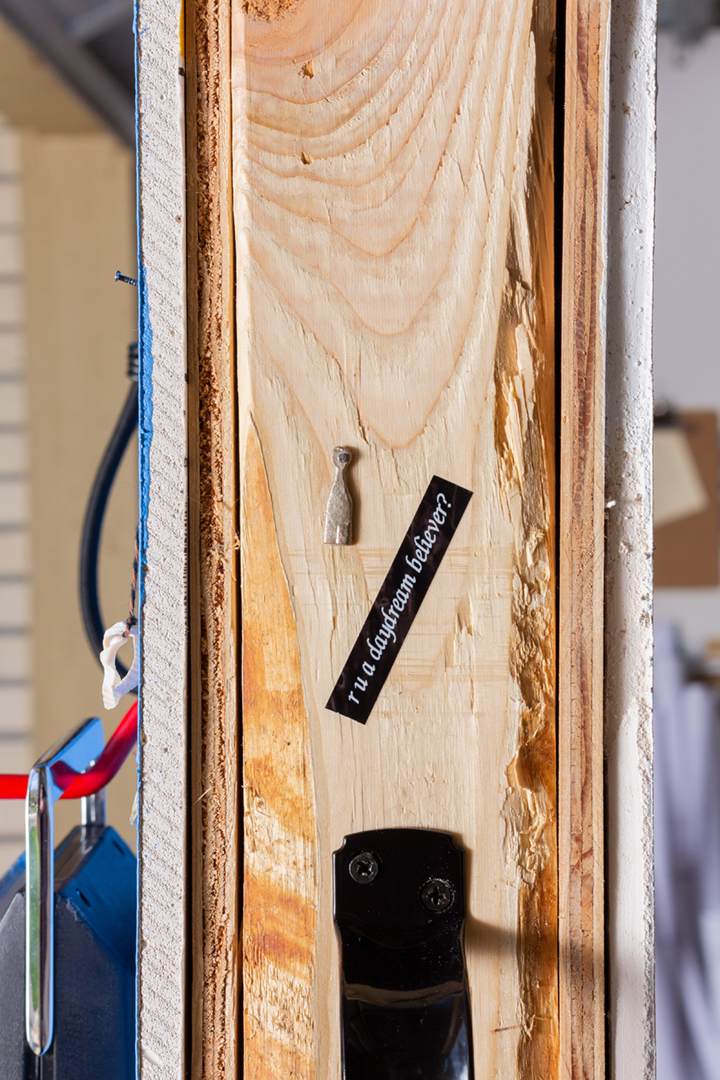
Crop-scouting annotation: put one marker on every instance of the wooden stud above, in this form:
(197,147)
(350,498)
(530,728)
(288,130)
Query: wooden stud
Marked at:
(580,727)
(582,481)
(215,811)
(393,200)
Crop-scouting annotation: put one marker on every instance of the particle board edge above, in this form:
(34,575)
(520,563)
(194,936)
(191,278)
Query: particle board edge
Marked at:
(214,720)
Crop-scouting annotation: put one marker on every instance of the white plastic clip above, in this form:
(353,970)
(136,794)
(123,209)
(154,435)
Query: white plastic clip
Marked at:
(113,687)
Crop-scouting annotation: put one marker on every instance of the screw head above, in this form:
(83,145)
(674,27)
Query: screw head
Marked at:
(364,868)
(437,895)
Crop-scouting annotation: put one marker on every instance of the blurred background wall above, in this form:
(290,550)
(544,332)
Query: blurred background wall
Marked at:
(687,272)
(67,223)
(687,543)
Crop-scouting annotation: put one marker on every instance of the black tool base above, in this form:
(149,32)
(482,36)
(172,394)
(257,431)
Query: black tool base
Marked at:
(407,1042)
(94,1037)
(400,913)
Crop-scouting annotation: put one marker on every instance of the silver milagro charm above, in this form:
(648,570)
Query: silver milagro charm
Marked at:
(338,516)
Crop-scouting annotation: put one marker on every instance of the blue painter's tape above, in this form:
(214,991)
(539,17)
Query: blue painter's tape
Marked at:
(145,431)
(145,413)
(145,425)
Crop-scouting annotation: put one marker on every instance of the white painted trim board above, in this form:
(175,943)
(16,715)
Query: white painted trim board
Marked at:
(629,542)
(162,809)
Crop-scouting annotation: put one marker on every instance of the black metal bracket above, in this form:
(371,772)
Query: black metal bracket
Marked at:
(400,913)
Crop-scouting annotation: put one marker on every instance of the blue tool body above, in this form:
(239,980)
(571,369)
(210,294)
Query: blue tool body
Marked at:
(95,908)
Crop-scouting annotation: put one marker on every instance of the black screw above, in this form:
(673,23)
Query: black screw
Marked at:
(437,895)
(125,278)
(364,868)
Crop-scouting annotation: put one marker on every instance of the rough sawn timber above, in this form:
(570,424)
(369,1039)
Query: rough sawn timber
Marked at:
(393,202)
(212,551)
(581,532)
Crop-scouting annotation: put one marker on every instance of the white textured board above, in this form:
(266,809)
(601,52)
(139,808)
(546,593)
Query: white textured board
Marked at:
(629,838)
(163,488)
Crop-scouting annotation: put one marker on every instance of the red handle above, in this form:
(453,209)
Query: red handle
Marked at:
(117,748)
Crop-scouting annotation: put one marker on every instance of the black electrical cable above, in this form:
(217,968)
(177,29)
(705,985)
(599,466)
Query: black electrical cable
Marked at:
(95,512)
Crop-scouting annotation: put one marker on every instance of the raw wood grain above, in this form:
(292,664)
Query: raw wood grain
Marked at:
(582,478)
(214,737)
(393,200)
(280,880)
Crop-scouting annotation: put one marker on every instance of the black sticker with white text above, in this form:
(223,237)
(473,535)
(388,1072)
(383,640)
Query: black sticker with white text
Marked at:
(401,594)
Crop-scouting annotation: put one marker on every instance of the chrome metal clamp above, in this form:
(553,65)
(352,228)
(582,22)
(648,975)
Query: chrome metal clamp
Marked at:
(49,777)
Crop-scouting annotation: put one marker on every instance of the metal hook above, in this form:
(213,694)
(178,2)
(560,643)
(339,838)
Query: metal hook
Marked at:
(338,515)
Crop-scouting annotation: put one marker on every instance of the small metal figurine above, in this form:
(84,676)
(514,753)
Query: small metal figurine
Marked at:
(338,516)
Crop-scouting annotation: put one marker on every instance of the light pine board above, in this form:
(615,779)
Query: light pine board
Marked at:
(393,204)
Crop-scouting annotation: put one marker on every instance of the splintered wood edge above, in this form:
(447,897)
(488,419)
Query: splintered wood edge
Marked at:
(163,502)
(214,741)
(279,908)
(629,540)
(581,523)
